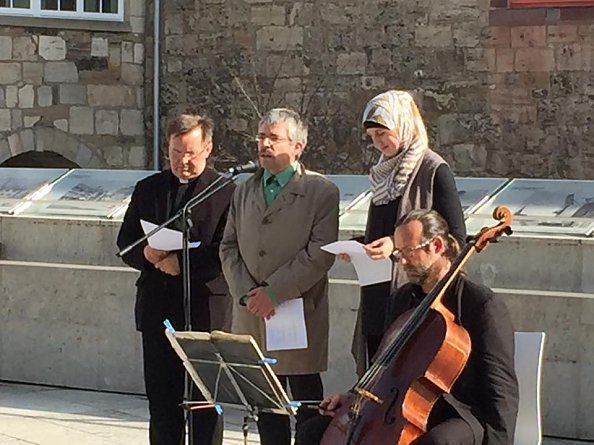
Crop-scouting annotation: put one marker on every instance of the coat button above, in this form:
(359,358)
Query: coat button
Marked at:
(262,253)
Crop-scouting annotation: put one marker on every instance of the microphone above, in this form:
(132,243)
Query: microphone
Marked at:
(250,167)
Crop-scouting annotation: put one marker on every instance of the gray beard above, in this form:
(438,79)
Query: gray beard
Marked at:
(418,274)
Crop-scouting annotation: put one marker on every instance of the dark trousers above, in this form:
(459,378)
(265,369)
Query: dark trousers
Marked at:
(164,381)
(453,431)
(275,429)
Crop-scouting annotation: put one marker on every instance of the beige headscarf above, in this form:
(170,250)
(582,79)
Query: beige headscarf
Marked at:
(396,110)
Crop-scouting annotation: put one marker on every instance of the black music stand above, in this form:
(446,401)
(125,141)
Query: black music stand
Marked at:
(230,370)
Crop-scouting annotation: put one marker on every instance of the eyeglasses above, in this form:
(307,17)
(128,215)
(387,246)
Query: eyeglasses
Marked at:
(397,254)
(273,139)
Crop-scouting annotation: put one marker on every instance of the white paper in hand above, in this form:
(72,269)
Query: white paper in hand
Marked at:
(286,329)
(368,271)
(165,239)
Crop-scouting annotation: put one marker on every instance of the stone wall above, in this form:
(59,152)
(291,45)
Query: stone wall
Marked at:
(501,96)
(76,92)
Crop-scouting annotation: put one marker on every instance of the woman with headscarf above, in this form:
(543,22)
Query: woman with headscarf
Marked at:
(409,175)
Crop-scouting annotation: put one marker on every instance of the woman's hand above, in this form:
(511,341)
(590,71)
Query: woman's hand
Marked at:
(380,249)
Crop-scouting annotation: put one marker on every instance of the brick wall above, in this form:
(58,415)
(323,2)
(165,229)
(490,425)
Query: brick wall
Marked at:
(500,97)
(79,93)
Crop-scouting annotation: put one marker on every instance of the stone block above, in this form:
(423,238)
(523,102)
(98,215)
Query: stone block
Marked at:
(137,157)
(336,14)
(10,73)
(131,123)
(106,122)
(528,36)
(33,72)
(499,37)
(81,120)
(2,98)
(83,155)
(61,124)
(30,121)
(26,96)
(132,74)
(15,144)
(434,36)
(24,48)
(534,59)
(44,96)
(573,57)
(4,148)
(504,60)
(138,53)
(115,55)
(137,8)
(114,156)
(480,59)
(5,48)
(61,72)
(268,15)
(5,120)
(566,33)
(111,96)
(52,48)
(128,52)
(72,94)
(99,47)
(279,38)
(17,119)
(137,24)
(352,63)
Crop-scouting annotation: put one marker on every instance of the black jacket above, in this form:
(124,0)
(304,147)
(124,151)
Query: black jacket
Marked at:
(381,221)
(160,296)
(486,393)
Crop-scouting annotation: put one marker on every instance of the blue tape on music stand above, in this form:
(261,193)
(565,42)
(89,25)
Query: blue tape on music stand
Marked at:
(294,404)
(219,409)
(268,360)
(169,326)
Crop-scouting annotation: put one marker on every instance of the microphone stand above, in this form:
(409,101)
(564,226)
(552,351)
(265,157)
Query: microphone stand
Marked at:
(184,213)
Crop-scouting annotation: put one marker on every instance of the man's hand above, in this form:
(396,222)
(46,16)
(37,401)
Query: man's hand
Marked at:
(169,265)
(331,404)
(259,303)
(380,249)
(344,257)
(153,256)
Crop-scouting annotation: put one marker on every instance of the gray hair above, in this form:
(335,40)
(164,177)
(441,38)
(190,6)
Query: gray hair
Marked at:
(296,127)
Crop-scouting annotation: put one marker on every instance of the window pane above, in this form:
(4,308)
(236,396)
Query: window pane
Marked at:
(51,5)
(67,5)
(4,3)
(91,5)
(109,6)
(25,4)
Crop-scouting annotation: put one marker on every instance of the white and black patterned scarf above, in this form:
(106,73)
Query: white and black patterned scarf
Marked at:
(396,110)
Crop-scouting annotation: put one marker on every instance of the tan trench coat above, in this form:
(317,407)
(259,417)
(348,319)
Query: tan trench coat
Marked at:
(280,246)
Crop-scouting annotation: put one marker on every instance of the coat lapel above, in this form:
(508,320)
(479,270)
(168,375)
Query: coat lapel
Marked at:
(294,188)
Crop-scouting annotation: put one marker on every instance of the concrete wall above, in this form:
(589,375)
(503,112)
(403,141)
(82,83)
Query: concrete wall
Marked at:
(66,312)
(74,87)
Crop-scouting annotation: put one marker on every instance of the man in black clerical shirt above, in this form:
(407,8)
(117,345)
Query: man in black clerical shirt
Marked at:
(160,288)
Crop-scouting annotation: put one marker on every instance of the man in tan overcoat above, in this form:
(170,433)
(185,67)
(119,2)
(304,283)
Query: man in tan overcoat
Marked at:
(271,253)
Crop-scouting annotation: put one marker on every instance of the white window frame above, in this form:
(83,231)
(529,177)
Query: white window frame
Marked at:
(36,11)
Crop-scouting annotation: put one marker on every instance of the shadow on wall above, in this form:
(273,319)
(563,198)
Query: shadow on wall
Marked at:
(42,146)
(39,159)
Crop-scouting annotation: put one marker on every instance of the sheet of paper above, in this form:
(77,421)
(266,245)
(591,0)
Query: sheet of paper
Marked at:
(368,271)
(165,239)
(286,329)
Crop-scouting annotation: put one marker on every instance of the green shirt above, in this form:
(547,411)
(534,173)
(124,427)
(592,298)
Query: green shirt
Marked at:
(273,184)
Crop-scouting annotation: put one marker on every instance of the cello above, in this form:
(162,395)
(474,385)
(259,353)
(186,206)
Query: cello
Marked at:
(392,401)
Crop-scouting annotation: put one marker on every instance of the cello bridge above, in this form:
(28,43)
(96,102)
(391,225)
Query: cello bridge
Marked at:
(368,395)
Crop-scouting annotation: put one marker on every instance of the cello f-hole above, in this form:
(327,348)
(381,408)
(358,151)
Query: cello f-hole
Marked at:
(390,416)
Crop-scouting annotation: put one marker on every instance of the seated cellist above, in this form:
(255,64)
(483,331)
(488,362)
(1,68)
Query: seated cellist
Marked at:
(483,404)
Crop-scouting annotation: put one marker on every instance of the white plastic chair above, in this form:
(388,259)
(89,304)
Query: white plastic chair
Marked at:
(528,364)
